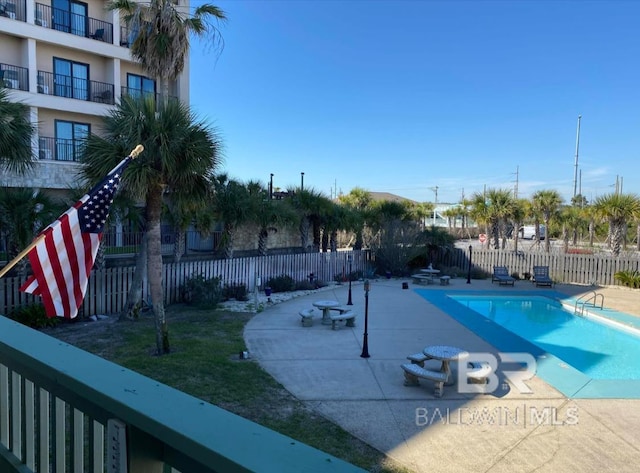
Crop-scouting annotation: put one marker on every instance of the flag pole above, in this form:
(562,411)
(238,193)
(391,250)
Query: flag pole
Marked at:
(134,154)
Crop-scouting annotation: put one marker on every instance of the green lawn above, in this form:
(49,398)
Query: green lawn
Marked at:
(204,363)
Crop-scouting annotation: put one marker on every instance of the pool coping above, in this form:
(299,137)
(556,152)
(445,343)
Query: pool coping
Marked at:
(563,377)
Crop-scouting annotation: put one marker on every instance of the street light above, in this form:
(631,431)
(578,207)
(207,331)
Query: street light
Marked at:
(301,181)
(350,260)
(365,341)
(469,273)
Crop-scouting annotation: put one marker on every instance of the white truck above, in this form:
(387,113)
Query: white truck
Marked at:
(528,232)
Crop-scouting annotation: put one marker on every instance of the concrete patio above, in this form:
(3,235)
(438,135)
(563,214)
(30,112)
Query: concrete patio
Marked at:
(505,431)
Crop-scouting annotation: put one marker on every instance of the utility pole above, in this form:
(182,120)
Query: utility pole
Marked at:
(575,172)
(301,181)
(435,189)
(515,188)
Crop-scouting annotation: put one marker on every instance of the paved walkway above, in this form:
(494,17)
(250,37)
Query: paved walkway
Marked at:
(510,432)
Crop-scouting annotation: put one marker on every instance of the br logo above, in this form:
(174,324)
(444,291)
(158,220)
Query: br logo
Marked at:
(524,361)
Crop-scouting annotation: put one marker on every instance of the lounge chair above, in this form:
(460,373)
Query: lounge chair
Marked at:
(541,276)
(501,274)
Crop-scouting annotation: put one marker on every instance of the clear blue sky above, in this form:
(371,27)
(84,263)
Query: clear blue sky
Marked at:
(403,96)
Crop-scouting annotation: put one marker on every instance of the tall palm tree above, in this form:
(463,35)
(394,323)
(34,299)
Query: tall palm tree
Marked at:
(618,209)
(181,153)
(519,211)
(309,204)
(358,199)
(16,132)
(232,206)
(494,207)
(163,30)
(268,214)
(548,202)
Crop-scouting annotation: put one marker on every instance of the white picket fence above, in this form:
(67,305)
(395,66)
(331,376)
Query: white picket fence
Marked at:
(567,268)
(108,288)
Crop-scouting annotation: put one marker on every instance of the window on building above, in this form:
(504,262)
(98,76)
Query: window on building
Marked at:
(70,137)
(70,16)
(139,86)
(71,79)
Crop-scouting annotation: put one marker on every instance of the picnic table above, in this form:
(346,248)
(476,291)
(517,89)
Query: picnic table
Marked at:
(326,306)
(446,354)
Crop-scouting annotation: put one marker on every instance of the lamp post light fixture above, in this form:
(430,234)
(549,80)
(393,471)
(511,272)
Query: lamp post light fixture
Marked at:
(301,181)
(365,341)
(469,272)
(271,186)
(350,260)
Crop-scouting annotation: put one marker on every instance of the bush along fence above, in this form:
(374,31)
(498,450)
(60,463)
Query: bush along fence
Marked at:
(108,288)
(564,268)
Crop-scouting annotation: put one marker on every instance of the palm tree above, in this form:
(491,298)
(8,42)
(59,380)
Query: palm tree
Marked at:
(494,207)
(23,214)
(181,153)
(232,206)
(163,31)
(358,199)
(548,202)
(519,211)
(269,214)
(16,132)
(309,204)
(618,209)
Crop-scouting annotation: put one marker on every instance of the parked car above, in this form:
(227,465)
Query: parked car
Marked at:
(528,232)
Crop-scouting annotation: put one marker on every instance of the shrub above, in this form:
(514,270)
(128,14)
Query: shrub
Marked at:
(201,292)
(628,278)
(281,283)
(478,273)
(306,285)
(235,291)
(33,316)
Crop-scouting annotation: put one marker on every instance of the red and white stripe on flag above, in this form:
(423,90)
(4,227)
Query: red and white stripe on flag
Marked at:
(63,258)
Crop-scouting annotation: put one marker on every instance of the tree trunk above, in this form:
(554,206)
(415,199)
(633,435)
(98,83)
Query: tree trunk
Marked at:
(547,240)
(262,242)
(179,246)
(617,235)
(131,308)
(229,233)
(325,241)
(154,262)
(304,233)
(592,232)
(333,240)
(565,238)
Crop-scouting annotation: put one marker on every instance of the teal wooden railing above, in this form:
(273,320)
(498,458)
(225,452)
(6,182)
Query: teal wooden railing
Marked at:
(63,409)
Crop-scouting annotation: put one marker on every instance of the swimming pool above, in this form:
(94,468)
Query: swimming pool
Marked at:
(580,357)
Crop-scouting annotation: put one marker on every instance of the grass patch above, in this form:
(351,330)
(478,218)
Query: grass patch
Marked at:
(204,363)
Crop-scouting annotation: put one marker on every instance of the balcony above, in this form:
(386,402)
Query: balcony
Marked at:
(63,409)
(14,77)
(14,9)
(59,149)
(78,25)
(139,94)
(76,88)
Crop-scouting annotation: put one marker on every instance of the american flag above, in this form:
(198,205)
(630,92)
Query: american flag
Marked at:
(63,258)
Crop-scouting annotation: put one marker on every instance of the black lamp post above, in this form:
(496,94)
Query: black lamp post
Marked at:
(350,260)
(469,273)
(301,181)
(270,186)
(365,341)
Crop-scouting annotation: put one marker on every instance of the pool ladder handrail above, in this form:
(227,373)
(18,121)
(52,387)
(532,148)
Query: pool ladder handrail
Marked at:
(593,296)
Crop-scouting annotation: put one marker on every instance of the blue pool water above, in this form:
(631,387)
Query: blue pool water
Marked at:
(581,358)
(593,348)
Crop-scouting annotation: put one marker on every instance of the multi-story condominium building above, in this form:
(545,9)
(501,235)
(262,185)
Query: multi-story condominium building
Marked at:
(70,62)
